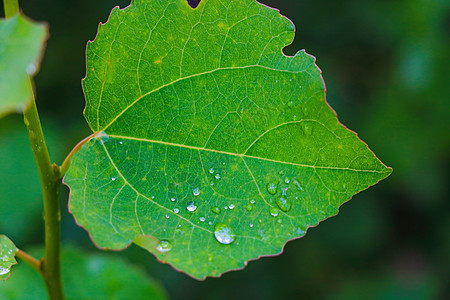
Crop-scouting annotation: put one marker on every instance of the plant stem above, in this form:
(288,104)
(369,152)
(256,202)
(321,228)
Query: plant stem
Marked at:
(36,264)
(66,163)
(11,7)
(50,181)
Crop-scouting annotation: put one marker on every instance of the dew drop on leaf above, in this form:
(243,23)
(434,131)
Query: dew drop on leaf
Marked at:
(215,209)
(297,184)
(191,207)
(273,212)
(224,234)
(172,199)
(249,207)
(176,210)
(202,219)
(196,192)
(231,206)
(284,203)
(217,176)
(253,201)
(211,170)
(272,187)
(287,180)
(4,271)
(113,178)
(179,230)
(164,246)
(300,230)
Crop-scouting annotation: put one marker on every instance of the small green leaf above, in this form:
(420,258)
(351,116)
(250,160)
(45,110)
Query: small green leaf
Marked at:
(85,276)
(7,257)
(21,48)
(211,147)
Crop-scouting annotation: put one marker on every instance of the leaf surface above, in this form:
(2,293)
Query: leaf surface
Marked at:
(7,257)
(21,48)
(85,276)
(210,146)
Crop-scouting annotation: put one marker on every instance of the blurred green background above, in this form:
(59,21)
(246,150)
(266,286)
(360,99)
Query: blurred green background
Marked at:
(386,65)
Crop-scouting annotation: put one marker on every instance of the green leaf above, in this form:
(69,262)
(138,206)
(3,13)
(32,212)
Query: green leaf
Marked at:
(7,257)
(21,48)
(85,276)
(210,148)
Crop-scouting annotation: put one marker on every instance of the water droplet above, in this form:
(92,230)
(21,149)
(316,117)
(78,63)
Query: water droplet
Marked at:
(120,142)
(202,219)
(191,207)
(253,201)
(297,184)
(272,187)
(179,230)
(279,221)
(261,235)
(210,258)
(4,271)
(196,192)
(249,207)
(172,199)
(273,212)
(224,234)
(284,203)
(251,225)
(231,206)
(164,246)
(167,216)
(281,172)
(211,183)
(211,170)
(217,176)
(113,178)
(287,180)
(215,209)
(31,69)
(300,230)
(290,104)
(176,210)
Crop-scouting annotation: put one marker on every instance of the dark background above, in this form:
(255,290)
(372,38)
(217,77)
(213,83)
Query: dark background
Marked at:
(386,65)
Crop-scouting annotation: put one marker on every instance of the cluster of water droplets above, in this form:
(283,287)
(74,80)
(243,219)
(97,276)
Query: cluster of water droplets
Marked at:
(6,258)
(281,195)
(280,191)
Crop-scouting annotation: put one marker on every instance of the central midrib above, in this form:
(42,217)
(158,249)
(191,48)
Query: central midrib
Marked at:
(243,155)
